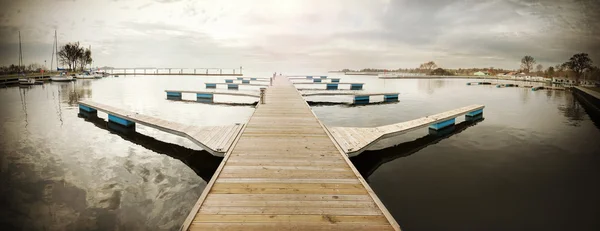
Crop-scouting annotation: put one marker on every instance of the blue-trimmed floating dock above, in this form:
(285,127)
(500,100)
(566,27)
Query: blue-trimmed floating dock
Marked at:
(214,139)
(335,86)
(285,170)
(354,140)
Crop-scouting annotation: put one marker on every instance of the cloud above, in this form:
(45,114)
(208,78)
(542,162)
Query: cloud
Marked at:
(323,34)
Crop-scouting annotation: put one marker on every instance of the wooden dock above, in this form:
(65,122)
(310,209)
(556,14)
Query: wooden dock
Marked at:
(221,92)
(285,172)
(344,92)
(215,139)
(354,140)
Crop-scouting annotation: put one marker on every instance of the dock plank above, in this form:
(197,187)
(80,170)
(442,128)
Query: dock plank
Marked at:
(354,140)
(215,139)
(286,173)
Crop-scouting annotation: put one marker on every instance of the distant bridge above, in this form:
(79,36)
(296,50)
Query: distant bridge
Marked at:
(174,71)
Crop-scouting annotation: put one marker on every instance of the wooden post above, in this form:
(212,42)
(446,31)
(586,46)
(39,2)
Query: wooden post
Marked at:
(234,71)
(169,70)
(262,95)
(134,71)
(194,71)
(181,72)
(207,71)
(144,71)
(271,81)
(220,71)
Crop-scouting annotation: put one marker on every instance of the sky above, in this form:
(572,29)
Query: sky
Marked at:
(303,34)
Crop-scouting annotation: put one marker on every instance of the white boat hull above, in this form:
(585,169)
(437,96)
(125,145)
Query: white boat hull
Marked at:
(61,78)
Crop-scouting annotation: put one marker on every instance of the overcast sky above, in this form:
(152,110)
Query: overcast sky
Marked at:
(304,34)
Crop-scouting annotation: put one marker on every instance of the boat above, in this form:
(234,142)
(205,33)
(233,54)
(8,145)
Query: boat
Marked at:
(26,81)
(85,75)
(97,75)
(62,77)
(116,75)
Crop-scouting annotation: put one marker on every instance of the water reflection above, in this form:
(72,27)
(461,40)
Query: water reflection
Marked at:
(369,161)
(202,162)
(23,95)
(573,110)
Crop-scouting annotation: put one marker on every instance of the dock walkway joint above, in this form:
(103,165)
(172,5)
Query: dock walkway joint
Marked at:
(215,139)
(354,140)
(285,172)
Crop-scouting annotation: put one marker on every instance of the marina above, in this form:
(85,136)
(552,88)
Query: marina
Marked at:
(292,192)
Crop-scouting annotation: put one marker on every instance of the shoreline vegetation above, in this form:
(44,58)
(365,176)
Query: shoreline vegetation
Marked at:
(73,55)
(578,67)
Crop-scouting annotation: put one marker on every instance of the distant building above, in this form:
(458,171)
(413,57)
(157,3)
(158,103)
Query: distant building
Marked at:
(480,73)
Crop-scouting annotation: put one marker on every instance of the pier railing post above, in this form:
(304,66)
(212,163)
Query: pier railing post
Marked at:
(262,95)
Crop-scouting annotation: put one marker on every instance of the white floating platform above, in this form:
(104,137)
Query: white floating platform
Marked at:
(221,92)
(215,139)
(354,140)
(344,92)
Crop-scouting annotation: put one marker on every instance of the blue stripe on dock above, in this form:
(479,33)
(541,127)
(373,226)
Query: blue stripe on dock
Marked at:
(442,124)
(323,76)
(245,81)
(240,78)
(356,86)
(316,80)
(173,94)
(229,81)
(309,77)
(233,86)
(86,108)
(204,96)
(252,78)
(361,99)
(475,113)
(120,121)
(390,98)
(332,86)
(211,85)
(335,80)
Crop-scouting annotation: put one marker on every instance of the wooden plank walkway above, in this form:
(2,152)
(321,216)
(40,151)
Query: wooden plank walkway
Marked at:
(343,92)
(221,92)
(354,140)
(286,173)
(214,139)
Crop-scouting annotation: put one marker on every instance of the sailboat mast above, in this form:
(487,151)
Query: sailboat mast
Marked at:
(56,45)
(20,53)
(52,57)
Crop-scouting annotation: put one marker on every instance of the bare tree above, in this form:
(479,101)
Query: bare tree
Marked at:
(579,63)
(550,72)
(539,68)
(428,66)
(527,63)
(86,58)
(70,54)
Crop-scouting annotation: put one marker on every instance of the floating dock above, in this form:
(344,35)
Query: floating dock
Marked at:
(334,86)
(285,172)
(215,139)
(232,86)
(175,93)
(354,140)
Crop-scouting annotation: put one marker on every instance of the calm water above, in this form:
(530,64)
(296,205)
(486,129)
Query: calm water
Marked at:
(532,163)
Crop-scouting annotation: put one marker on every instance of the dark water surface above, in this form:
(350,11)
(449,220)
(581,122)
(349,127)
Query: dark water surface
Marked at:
(532,163)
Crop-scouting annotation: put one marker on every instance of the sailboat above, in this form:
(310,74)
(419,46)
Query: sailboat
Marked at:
(62,77)
(85,75)
(24,80)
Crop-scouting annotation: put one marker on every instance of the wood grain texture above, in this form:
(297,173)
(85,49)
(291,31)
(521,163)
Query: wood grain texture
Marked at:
(285,173)
(215,139)
(354,140)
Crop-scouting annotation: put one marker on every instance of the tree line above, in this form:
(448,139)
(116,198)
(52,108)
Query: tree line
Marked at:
(73,55)
(578,66)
